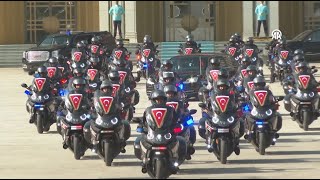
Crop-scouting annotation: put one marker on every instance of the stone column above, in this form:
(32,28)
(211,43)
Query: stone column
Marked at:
(104,16)
(130,21)
(273,16)
(248,18)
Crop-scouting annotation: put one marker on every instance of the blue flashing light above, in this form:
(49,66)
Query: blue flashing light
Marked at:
(259,122)
(181,86)
(190,122)
(246,108)
(139,130)
(145,66)
(37,106)
(61,92)
(239,88)
(27,92)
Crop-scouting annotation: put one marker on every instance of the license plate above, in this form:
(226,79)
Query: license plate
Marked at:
(223,130)
(305,102)
(76,127)
(107,131)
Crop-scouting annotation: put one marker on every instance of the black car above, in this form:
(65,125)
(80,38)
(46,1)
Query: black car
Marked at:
(192,70)
(61,44)
(309,42)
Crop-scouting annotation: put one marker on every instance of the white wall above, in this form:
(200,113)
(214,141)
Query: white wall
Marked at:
(247,9)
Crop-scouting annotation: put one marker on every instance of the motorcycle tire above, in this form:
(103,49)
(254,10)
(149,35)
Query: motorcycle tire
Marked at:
(160,169)
(223,151)
(262,143)
(39,121)
(76,148)
(306,116)
(107,153)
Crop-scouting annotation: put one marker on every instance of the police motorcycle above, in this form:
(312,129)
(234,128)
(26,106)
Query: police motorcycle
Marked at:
(107,128)
(159,146)
(77,108)
(282,66)
(222,127)
(304,102)
(264,119)
(41,101)
(147,63)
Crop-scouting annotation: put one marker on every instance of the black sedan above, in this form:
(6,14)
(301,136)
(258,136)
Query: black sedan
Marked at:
(309,42)
(191,69)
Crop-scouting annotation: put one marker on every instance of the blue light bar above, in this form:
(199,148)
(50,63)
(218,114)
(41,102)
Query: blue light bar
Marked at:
(190,122)
(37,106)
(259,122)
(139,130)
(27,92)
(61,92)
(246,108)
(181,86)
(145,66)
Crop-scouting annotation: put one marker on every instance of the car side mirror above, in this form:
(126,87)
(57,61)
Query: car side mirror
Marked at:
(202,105)
(31,73)
(24,85)
(279,98)
(192,111)
(309,39)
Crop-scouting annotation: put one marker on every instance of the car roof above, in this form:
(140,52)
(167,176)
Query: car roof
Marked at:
(77,33)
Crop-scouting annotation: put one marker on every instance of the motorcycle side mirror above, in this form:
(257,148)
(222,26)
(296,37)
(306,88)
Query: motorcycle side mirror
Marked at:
(193,111)
(202,105)
(199,45)
(280,98)
(31,73)
(24,85)
(315,70)
(157,46)
(312,67)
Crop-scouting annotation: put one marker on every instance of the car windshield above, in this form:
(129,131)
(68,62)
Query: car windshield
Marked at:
(58,40)
(189,65)
(301,36)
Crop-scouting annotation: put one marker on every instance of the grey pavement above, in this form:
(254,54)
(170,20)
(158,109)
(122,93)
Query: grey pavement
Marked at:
(27,154)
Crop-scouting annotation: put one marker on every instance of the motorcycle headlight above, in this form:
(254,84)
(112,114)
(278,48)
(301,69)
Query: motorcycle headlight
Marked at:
(114,121)
(46,96)
(230,119)
(83,117)
(254,59)
(40,98)
(68,117)
(127,89)
(215,120)
(33,96)
(99,121)
(159,137)
(74,65)
(150,135)
(236,58)
(55,53)
(311,94)
(305,95)
(150,82)
(168,136)
(151,59)
(288,62)
(254,112)
(94,85)
(269,112)
(82,65)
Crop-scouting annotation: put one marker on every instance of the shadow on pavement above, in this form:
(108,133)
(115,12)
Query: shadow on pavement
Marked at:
(227,170)
(293,152)
(137,163)
(300,133)
(90,157)
(273,161)
(51,132)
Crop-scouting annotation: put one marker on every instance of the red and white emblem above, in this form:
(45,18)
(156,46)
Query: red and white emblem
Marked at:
(158,115)
(222,102)
(51,71)
(173,104)
(77,56)
(261,96)
(284,54)
(40,83)
(232,51)
(94,48)
(244,72)
(304,80)
(115,89)
(106,103)
(249,52)
(92,73)
(188,51)
(250,84)
(118,54)
(61,68)
(214,74)
(75,100)
(122,75)
(146,52)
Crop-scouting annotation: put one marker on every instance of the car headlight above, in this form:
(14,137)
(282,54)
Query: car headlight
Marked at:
(167,136)
(46,96)
(83,117)
(254,112)
(150,82)
(192,80)
(114,121)
(215,120)
(55,53)
(230,119)
(311,94)
(269,112)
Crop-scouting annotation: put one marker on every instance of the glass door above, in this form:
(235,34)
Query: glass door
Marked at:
(47,17)
(185,17)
